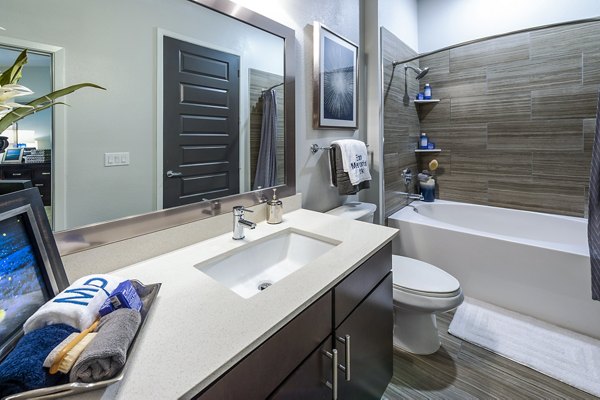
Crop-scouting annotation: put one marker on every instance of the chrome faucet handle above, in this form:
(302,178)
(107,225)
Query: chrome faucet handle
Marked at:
(407,175)
(239,210)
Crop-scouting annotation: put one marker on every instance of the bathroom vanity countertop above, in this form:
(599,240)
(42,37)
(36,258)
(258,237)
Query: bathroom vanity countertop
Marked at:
(198,329)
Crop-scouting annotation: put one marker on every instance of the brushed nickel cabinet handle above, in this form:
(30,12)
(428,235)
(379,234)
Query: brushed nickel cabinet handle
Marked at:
(346,368)
(45,173)
(16,174)
(334,375)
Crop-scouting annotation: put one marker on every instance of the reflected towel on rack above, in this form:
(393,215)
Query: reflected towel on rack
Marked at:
(355,159)
(266,165)
(338,177)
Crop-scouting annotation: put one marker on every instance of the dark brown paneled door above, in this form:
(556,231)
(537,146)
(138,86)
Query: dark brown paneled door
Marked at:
(201,123)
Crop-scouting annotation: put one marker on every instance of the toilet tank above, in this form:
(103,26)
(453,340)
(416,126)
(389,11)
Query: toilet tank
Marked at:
(355,210)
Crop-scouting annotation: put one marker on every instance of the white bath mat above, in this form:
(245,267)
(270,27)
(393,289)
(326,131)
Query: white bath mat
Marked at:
(564,355)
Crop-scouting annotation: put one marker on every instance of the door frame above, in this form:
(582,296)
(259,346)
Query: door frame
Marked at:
(243,105)
(59,130)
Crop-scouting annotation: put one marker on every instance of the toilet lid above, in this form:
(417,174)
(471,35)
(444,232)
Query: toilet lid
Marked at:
(353,210)
(422,277)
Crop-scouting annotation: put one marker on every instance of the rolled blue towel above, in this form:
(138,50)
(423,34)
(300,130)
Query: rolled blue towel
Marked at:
(23,369)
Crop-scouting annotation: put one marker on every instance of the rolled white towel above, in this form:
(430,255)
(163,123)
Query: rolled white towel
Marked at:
(77,305)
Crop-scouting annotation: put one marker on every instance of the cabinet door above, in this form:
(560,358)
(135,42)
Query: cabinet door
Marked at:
(370,327)
(263,370)
(309,380)
(354,288)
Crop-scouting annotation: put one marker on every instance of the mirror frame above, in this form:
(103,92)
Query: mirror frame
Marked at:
(99,234)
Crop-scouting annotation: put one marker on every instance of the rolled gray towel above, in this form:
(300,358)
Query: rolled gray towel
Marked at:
(105,356)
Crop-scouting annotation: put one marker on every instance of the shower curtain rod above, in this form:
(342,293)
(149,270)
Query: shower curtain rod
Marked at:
(537,28)
(272,87)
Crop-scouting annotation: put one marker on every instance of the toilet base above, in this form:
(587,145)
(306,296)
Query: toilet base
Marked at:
(415,332)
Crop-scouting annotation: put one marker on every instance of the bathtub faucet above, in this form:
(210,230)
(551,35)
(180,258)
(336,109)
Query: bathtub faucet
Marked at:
(407,175)
(411,196)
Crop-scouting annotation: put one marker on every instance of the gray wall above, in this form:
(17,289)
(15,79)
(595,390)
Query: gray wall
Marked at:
(516,119)
(401,121)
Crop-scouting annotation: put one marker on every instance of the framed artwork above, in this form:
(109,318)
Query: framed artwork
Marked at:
(336,80)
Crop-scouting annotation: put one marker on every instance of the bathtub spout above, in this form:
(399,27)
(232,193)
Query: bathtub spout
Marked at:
(411,196)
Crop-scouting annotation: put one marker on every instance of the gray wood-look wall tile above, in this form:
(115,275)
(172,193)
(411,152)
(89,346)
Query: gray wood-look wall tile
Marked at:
(463,188)
(489,52)
(465,83)
(401,122)
(493,163)
(569,39)
(564,134)
(538,73)
(552,196)
(434,112)
(516,118)
(563,166)
(438,63)
(591,68)
(456,136)
(568,102)
(491,108)
(589,131)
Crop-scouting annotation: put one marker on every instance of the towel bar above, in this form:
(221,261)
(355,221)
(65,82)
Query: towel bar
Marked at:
(315,147)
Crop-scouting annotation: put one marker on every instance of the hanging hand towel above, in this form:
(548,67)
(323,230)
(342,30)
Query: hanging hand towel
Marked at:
(339,178)
(77,306)
(355,160)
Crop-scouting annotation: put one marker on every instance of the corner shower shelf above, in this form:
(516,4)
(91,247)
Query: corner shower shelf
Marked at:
(427,101)
(428,150)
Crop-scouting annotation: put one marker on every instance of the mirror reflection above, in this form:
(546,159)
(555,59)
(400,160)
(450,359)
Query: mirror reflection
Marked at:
(193,108)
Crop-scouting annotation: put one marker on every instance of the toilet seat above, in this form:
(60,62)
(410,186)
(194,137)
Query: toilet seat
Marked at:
(419,286)
(421,278)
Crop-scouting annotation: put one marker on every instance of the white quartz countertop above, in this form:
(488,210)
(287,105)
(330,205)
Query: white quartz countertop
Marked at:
(197,328)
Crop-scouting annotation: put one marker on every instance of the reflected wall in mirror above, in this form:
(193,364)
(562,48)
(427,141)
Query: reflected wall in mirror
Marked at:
(120,46)
(33,133)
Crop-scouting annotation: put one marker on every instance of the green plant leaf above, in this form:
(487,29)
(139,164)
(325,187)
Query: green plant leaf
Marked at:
(14,73)
(50,97)
(41,103)
(21,113)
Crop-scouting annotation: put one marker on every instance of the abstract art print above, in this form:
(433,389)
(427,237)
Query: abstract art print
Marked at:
(336,80)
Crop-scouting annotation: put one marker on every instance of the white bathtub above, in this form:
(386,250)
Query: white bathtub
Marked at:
(533,263)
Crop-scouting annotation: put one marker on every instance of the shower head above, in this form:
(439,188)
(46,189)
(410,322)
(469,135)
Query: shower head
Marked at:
(420,72)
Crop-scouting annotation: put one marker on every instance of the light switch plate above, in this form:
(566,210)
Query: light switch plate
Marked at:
(116,159)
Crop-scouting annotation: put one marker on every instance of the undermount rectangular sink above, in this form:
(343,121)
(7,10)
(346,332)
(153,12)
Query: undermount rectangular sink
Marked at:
(255,266)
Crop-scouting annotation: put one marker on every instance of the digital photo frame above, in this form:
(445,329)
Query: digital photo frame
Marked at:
(31,270)
(13,156)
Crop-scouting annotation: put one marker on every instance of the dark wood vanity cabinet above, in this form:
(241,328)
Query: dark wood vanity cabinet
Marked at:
(38,173)
(355,318)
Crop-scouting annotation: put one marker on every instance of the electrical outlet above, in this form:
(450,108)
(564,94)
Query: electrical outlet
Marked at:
(116,159)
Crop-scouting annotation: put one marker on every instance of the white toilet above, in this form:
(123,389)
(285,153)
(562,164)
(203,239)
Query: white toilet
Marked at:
(420,290)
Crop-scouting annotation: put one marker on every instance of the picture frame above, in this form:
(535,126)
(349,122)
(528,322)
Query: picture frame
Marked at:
(335,63)
(13,156)
(29,251)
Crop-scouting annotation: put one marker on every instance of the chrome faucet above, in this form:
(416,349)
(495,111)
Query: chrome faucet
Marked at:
(239,222)
(407,175)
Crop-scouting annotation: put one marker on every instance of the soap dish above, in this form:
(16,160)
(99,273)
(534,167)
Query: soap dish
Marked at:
(147,294)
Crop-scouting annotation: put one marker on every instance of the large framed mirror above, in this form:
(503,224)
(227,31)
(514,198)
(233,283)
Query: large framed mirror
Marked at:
(158,146)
